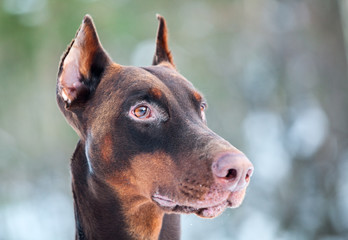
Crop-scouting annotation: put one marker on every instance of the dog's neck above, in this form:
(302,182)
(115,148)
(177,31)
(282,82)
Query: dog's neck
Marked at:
(98,211)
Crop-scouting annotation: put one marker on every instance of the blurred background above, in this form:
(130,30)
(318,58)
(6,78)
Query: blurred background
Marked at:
(275,76)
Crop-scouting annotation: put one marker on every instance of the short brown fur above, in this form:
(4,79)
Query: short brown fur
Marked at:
(131,176)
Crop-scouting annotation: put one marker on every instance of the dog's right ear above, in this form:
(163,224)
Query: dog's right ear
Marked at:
(82,65)
(162,53)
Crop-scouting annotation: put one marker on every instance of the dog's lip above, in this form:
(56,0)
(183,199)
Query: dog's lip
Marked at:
(210,209)
(164,201)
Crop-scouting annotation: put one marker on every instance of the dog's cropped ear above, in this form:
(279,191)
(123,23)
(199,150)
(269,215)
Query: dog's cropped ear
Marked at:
(82,65)
(162,53)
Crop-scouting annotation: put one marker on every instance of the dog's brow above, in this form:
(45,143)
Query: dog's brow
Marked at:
(156,93)
(197,96)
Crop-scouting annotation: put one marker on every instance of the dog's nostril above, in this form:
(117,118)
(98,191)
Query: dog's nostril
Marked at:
(248,174)
(247,177)
(231,174)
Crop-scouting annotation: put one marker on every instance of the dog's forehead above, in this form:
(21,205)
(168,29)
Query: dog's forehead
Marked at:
(159,78)
(178,85)
(169,76)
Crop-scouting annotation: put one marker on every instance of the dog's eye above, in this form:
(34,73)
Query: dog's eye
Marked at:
(142,112)
(147,112)
(203,106)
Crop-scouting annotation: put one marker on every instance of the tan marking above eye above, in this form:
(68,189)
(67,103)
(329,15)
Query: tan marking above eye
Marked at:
(155,92)
(197,96)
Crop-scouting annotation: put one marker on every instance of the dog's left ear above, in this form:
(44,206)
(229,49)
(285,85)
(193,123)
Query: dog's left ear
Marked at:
(82,65)
(162,53)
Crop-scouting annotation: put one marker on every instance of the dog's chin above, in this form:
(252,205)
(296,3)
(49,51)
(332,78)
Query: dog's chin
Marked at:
(204,209)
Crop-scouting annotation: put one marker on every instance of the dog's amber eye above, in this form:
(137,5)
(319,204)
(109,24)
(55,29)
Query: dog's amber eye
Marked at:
(203,107)
(142,112)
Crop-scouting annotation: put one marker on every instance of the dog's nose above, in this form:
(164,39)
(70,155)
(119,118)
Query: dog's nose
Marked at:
(233,171)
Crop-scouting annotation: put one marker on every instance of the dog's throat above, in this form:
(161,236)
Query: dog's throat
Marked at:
(96,207)
(99,207)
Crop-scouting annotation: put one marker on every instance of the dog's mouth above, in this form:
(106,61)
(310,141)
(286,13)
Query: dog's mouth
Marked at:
(205,209)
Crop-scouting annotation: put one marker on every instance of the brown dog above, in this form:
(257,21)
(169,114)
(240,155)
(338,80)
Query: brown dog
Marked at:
(145,151)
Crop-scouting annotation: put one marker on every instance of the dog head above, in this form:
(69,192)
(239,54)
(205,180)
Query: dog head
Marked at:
(144,130)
